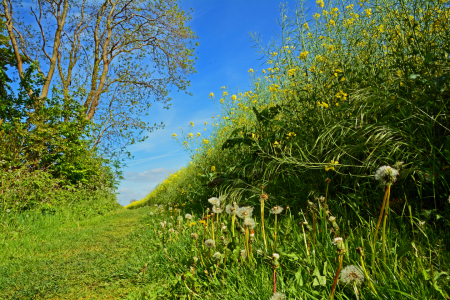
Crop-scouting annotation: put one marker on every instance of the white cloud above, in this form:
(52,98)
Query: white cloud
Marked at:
(154,175)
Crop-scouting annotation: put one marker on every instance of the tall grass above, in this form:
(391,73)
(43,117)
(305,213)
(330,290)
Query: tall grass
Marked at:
(356,86)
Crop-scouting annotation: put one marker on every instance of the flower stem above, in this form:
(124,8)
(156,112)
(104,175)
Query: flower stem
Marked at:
(275,236)
(274,281)
(376,230)
(386,211)
(337,275)
(262,224)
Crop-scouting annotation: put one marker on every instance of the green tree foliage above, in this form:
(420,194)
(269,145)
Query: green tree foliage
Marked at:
(111,57)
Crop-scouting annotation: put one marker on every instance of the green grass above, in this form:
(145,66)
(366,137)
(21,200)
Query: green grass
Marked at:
(53,258)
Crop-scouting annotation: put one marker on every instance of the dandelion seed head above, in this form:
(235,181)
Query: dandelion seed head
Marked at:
(352,274)
(339,242)
(180,218)
(332,219)
(217,256)
(231,209)
(210,243)
(245,212)
(386,175)
(194,235)
(216,210)
(249,223)
(276,210)
(276,256)
(214,201)
(278,296)
(151,213)
(188,216)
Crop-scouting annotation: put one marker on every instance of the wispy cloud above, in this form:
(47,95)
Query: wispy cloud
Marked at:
(154,175)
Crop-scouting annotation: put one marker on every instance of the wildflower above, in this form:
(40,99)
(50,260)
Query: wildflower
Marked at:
(306,26)
(174,135)
(249,223)
(192,124)
(151,214)
(210,243)
(195,258)
(214,201)
(171,230)
(224,93)
(320,3)
(321,199)
(245,212)
(332,219)
(231,209)
(162,224)
(217,256)
(216,209)
(250,70)
(278,295)
(213,168)
(276,256)
(233,97)
(243,254)
(211,95)
(386,175)
(351,274)
(339,242)
(276,210)
(264,197)
(194,235)
(188,216)
(8,210)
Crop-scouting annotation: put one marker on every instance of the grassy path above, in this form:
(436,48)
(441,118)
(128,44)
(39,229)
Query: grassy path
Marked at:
(95,259)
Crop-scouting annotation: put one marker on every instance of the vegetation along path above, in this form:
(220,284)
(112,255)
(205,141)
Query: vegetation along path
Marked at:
(102,258)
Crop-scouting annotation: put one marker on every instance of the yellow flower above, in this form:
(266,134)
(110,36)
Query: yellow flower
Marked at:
(233,97)
(192,124)
(306,26)
(224,93)
(291,72)
(198,133)
(332,22)
(320,3)
(211,95)
(222,88)
(174,135)
(213,168)
(205,141)
(303,54)
(316,16)
(190,135)
(250,70)
(274,54)
(368,12)
(206,123)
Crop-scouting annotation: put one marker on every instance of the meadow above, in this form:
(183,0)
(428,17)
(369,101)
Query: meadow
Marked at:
(327,179)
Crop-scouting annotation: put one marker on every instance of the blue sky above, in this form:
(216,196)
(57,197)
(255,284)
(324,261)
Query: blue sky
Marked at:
(225,55)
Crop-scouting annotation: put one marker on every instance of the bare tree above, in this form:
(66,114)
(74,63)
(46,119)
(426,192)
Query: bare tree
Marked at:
(114,57)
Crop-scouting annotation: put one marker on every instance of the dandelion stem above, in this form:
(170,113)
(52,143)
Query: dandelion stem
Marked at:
(275,236)
(378,226)
(262,224)
(337,275)
(386,211)
(304,237)
(274,281)
(361,257)
(233,219)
